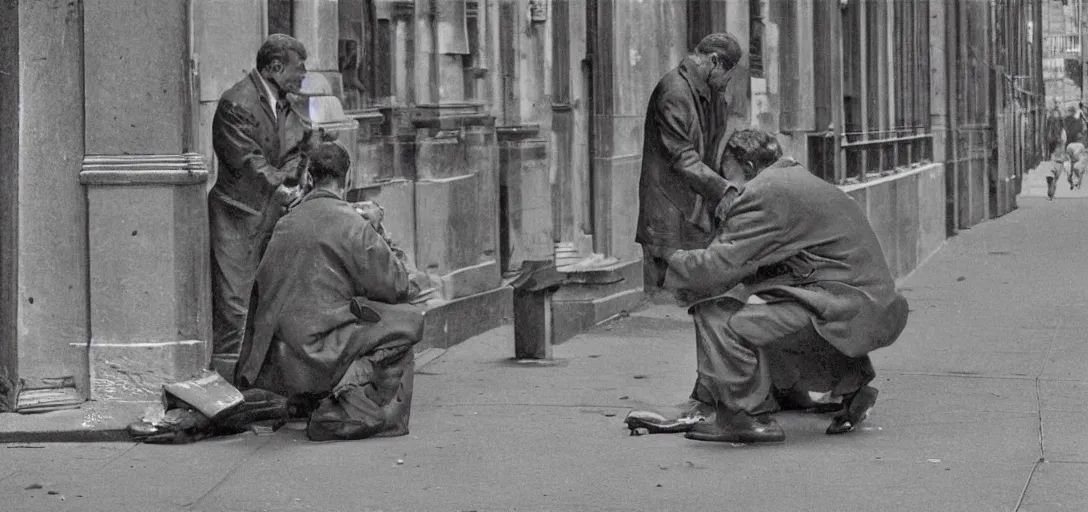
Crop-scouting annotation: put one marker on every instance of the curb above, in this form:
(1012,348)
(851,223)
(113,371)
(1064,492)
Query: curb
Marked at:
(99,421)
(91,422)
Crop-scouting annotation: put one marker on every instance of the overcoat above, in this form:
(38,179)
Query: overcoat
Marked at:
(302,333)
(678,188)
(256,149)
(791,236)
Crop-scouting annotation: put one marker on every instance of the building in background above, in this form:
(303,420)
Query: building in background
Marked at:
(494,132)
(1062,27)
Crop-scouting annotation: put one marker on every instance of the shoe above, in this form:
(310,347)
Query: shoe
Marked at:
(739,428)
(858,407)
(655,423)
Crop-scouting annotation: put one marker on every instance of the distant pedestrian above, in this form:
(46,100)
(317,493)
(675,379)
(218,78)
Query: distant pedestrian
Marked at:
(1078,163)
(1052,169)
(1074,126)
(1055,132)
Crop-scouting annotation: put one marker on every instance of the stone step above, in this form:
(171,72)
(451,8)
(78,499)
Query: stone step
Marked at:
(570,318)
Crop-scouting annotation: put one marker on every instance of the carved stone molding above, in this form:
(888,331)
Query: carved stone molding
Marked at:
(517,132)
(137,170)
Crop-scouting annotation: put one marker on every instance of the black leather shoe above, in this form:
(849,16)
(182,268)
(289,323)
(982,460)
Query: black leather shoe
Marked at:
(740,428)
(857,410)
(655,423)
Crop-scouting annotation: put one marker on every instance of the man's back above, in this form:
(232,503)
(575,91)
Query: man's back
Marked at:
(838,267)
(823,221)
(322,254)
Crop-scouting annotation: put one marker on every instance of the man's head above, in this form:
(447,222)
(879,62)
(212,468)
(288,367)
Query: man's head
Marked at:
(748,152)
(329,164)
(282,61)
(715,56)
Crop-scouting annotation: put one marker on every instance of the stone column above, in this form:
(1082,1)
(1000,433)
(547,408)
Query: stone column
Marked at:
(147,211)
(797,75)
(938,81)
(524,127)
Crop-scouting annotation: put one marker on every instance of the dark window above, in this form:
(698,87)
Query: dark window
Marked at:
(281,17)
(356,52)
(755,38)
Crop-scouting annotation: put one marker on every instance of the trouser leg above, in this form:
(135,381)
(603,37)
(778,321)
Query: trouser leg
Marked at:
(1051,186)
(237,240)
(653,271)
(746,351)
(234,263)
(373,399)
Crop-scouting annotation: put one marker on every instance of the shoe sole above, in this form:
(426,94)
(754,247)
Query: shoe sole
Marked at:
(736,437)
(848,422)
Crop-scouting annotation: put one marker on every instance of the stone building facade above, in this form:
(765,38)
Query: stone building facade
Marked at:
(494,132)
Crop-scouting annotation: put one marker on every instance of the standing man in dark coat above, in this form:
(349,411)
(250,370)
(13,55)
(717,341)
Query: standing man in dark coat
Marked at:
(824,298)
(679,187)
(255,134)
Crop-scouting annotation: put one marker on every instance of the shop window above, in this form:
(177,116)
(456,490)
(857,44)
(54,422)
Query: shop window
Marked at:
(881,136)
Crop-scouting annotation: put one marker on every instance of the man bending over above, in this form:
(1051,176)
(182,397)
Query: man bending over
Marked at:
(824,298)
(325,327)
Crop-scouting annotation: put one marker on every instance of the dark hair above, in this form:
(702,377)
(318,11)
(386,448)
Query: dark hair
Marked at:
(757,147)
(329,161)
(722,44)
(277,47)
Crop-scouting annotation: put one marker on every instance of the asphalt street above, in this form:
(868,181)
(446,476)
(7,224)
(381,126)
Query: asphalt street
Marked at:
(982,408)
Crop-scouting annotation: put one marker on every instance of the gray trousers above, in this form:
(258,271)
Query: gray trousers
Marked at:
(744,351)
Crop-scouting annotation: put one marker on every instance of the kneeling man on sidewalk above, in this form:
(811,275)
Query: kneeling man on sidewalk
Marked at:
(788,299)
(328,325)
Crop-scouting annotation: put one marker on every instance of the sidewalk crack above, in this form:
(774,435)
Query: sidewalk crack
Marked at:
(1039,410)
(227,474)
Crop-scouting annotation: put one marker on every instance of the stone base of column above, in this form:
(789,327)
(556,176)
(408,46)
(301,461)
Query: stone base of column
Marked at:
(149,279)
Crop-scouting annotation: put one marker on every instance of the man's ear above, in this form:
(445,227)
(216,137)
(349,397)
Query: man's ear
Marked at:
(276,66)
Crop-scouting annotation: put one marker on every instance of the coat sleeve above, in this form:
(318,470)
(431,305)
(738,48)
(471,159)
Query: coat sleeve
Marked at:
(377,273)
(673,117)
(234,132)
(754,236)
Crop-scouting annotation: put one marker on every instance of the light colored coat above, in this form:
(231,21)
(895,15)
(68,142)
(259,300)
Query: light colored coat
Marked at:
(829,256)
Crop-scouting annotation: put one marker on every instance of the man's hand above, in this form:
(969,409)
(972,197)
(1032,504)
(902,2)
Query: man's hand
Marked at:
(372,212)
(289,197)
(723,205)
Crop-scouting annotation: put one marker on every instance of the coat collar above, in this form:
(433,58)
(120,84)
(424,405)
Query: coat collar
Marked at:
(264,93)
(321,194)
(786,161)
(698,84)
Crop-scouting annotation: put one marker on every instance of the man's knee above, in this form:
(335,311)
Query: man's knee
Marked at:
(781,324)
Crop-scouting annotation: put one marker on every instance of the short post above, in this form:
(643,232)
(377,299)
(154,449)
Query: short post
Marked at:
(533,309)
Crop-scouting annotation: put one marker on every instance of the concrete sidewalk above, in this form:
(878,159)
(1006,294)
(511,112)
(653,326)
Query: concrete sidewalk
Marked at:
(983,408)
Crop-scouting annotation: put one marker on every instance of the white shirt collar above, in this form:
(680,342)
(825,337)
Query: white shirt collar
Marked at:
(271,93)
